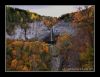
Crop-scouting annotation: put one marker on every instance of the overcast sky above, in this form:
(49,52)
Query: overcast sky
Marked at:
(49,10)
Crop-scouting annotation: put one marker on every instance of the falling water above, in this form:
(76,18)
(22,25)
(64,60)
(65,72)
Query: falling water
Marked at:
(51,34)
(55,59)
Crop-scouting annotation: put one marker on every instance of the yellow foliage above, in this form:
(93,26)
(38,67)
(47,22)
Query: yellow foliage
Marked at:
(33,16)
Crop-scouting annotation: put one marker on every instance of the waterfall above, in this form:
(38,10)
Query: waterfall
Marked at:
(51,35)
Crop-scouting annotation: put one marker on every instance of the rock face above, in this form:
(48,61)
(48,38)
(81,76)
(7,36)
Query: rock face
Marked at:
(55,58)
(55,63)
(40,31)
(36,29)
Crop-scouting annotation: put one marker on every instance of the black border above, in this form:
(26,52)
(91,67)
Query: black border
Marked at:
(35,2)
(48,2)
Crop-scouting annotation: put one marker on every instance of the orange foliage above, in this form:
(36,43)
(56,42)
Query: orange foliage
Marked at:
(14,52)
(14,63)
(17,43)
(78,17)
(64,37)
(36,58)
(25,68)
(50,22)
(45,48)
(26,54)
(19,68)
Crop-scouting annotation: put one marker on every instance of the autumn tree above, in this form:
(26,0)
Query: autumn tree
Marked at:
(84,20)
(49,21)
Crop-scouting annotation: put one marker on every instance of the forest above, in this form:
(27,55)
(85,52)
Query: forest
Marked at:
(44,43)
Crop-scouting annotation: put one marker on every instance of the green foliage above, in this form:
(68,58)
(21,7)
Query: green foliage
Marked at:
(67,17)
(87,58)
(15,16)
